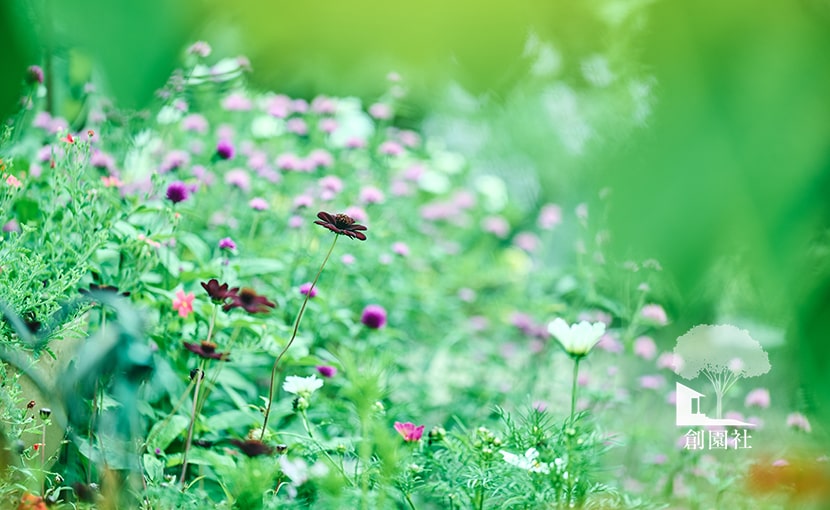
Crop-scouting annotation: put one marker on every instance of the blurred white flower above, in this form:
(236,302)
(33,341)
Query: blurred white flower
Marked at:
(302,386)
(576,339)
(529,461)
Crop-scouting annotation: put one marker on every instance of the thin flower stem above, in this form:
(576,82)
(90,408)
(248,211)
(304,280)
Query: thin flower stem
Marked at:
(199,376)
(409,500)
(291,340)
(573,390)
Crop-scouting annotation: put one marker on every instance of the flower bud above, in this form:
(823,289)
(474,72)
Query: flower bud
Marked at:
(45,412)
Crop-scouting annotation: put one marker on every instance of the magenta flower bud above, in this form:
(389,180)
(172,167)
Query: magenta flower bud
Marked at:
(34,74)
(177,192)
(373,316)
(326,371)
(227,244)
(306,288)
(225,149)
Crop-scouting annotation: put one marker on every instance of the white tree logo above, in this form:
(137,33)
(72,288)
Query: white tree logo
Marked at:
(723,354)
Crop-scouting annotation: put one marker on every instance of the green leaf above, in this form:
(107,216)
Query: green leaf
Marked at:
(164,432)
(230,419)
(258,267)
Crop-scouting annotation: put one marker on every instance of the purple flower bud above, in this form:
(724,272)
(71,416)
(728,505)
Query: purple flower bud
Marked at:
(373,316)
(306,287)
(34,74)
(177,192)
(327,371)
(225,149)
(227,244)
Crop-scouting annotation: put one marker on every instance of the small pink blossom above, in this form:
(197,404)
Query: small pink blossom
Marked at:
(654,313)
(371,195)
(258,204)
(380,111)
(183,303)
(13,181)
(307,290)
(199,48)
(401,249)
(645,347)
(549,217)
(799,422)
(496,225)
(409,431)
(652,382)
(758,397)
(391,148)
(297,126)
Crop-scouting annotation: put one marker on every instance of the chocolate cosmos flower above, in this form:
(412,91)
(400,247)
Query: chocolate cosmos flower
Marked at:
(252,447)
(250,301)
(219,294)
(341,224)
(206,350)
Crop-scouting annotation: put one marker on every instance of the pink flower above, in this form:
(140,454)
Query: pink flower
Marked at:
(391,148)
(297,126)
(758,397)
(227,243)
(654,313)
(373,316)
(238,178)
(306,288)
(371,195)
(327,371)
(549,216)
(199,48)
(798,421)
(526,241)
(236,102)
(258,204)
(496,225)
(645,347)
(380,111)
(409,431)
(401,249)
(13,181)
(183,303)
(652,382)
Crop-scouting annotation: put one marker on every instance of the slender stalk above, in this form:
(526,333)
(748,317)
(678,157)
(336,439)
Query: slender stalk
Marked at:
(573,390)
(409,500)
(199,376)
(43,459)
(291,340)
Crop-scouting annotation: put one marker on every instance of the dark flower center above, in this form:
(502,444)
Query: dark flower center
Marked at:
(343,220)
(208,347)
(247,296)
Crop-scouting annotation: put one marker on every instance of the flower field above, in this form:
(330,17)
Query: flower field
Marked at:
(243,298)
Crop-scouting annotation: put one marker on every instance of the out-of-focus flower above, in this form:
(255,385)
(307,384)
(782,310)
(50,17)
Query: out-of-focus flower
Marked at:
(645,347)
(250,301)
(371,195)
(409,431)
(401,249)
(799,422)
(496,225)
(199,48)
(529,461)
(576,339)
(258,204)
(183,303)
(252,447)
(302,386)
(34,75)
(13,181)
(297,126)
(327,371)
(206,350)
(238,178)
(177,192)
(31,502)
(307,289)
(219,293)
(341,224)
(237,102)
(654,313)
(391,148)
(373,316)
(758,397)
(549,216)
(652,382)
(225,149)
(226,243)
(380,111)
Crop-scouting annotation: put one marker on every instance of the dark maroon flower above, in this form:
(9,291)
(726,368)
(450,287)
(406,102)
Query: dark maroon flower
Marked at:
(94,287)
(341,224)
(219,294)
(206,350)
(250,301)
(252,447)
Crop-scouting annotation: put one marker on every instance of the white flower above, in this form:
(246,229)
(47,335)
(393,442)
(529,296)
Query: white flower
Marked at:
(302,386)
(576,339)
(529,461)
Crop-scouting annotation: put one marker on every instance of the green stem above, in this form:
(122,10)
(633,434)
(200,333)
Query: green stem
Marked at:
(199,376)
(291,340)
(573,390)
(409,500)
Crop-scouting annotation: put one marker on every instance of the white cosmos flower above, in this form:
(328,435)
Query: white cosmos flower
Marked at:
(529,461)
(302,386)
(576,339)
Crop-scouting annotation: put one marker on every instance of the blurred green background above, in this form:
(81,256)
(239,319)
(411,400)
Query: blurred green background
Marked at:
(708,121)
